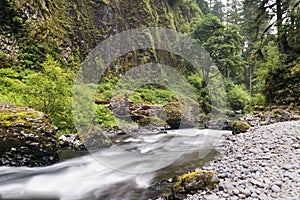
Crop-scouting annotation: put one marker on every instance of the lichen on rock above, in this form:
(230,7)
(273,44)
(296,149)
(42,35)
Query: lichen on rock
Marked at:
(27,137)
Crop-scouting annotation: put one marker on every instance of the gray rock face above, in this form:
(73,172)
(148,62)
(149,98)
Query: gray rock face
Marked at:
(27,137)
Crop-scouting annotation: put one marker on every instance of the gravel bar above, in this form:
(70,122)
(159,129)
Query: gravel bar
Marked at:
(263,163)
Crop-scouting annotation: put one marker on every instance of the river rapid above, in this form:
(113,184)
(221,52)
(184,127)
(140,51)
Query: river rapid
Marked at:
(127,170)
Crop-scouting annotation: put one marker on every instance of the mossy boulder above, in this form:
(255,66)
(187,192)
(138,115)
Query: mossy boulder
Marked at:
(94,138)
(151,122)
(240,127)
(176,118)
(27,137)
(192,182)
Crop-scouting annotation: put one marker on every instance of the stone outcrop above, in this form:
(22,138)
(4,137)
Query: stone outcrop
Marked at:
(27,137)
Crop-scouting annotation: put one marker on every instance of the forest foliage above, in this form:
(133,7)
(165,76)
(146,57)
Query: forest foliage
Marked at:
(254,44)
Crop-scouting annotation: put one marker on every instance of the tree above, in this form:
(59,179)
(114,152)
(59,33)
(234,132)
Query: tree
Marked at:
(49,91)
(271,17)
(223,43)
(276,23)
(234,12)
(203,5)
(217,9)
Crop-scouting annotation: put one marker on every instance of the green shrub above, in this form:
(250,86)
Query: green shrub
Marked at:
(49,91)
(258,99)
(237,96)
(153,94)
(105,117)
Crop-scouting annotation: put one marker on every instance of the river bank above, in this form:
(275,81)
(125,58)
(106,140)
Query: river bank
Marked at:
(262,163)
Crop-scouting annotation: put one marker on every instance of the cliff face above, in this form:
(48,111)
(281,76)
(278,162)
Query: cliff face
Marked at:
(68,30)
(113,16)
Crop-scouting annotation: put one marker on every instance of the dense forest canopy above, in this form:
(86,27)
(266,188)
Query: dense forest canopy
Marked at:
(255,45)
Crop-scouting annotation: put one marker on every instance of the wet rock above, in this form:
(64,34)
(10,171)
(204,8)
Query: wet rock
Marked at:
(27,137)
(71,141)
(93,138)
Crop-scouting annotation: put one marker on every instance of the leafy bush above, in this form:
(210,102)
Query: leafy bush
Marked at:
(237,96)
(105,88)
(49,91)
(258,99)
(11,86)
(153,94)
(105,117)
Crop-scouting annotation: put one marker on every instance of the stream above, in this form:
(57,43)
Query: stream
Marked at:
(127,170)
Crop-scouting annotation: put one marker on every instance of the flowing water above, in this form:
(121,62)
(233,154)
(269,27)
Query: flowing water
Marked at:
(127,170)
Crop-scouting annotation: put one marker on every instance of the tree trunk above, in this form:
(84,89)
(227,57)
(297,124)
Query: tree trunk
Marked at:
(228,72)
(282,37)
(250,78)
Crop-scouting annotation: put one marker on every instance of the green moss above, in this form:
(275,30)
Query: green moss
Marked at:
(240,127)
(153,121)
(8,118)
(203,180)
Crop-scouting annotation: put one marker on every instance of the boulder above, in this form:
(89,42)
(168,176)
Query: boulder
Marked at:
(27,137)
(219,124)
(71,141)
(175,117)
(230,113)
(94,138)
(156,115)
(239,127)
(192,182)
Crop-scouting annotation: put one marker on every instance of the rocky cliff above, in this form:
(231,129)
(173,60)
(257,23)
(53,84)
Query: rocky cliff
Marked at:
(68,30)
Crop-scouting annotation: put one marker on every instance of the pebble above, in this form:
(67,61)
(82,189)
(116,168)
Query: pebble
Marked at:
(287,166)
(242,196)
(246,192)
(263,197)
(296,179)
(260,164)
(275,188)
(236,191)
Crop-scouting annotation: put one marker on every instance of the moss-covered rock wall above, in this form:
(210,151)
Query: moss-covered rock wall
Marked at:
(68,30)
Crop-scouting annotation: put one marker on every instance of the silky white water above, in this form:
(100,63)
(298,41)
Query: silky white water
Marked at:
(123,171)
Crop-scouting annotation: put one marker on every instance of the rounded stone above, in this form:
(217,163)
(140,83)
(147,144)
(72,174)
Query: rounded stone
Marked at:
(275,188)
